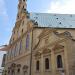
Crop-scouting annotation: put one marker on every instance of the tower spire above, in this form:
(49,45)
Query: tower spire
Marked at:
(22,8)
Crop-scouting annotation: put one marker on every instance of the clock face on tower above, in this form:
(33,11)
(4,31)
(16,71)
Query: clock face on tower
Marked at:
(54,20)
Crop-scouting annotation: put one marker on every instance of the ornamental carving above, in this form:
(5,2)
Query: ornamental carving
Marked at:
(25,68)
(9,68)
(57,47)
(46,51)
(47,40)
(37,54)
(13,65)
(18,65)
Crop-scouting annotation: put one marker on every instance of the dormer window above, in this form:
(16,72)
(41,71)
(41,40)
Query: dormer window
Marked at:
(60,23)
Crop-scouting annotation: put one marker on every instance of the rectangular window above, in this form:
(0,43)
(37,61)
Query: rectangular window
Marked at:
(47,63)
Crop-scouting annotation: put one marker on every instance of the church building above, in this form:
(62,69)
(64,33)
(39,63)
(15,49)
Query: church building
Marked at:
(41,44)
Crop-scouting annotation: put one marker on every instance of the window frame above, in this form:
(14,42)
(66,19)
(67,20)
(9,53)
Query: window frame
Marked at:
(49,57)
(60,64)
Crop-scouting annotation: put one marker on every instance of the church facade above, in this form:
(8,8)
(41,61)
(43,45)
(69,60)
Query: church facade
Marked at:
(38,48)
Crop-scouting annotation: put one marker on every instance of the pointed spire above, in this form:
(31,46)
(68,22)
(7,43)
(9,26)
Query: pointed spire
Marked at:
(22,8)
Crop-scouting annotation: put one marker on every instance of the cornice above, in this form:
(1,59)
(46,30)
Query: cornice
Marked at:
(65,34)
(58,46)
(37,54)
(18,57)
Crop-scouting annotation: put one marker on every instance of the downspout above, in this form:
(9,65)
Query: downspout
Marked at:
(31,52)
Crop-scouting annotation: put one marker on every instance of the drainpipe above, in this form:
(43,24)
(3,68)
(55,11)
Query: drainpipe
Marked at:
(31,53)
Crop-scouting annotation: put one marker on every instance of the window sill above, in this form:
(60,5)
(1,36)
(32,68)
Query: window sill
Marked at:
(48,70)
(37,72)
(60,69)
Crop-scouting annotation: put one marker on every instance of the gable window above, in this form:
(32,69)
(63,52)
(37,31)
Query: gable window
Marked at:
(59,61)
(47,63)
(37,65)
(27,41)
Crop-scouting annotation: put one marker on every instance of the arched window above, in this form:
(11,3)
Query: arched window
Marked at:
(20,47)
(47,63)
(59,61)
(27,41)
(20,44)
(15,51)
(37,65)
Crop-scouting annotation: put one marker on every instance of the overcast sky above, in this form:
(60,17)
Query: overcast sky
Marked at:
(8,11)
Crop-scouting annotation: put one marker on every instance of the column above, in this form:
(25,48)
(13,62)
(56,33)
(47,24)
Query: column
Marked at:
(53,69)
